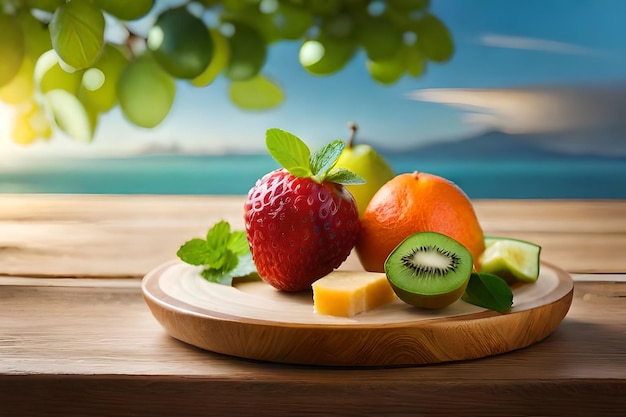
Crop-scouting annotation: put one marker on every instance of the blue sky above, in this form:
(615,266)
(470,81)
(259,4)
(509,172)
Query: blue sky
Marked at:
(509,57)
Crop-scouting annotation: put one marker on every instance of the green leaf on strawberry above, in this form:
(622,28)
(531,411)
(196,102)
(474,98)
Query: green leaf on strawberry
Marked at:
(324,160)
(344,176)
(289,151)
(295,156)
(224,255)
(301,222)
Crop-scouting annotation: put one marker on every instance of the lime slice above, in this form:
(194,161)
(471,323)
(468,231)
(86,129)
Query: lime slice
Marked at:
(511,259)
(490,240)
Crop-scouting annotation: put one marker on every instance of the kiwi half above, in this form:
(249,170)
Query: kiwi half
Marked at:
(429,270)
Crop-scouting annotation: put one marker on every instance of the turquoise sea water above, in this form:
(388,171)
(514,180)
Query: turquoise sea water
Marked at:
(235,174)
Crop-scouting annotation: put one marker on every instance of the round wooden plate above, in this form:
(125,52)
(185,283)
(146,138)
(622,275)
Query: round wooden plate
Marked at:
(253,320)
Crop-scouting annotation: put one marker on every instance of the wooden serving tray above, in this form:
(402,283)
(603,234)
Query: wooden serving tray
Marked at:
(253,320)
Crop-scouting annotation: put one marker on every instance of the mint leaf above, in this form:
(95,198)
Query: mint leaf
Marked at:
(238,243)
(488,291)
(194,252)
(229,260)
(344,176)
(245,266)
(217,245)
(223,259)
(224,255)
(217,276)
(219,234)
(325,158)
(295,156)
(289,151)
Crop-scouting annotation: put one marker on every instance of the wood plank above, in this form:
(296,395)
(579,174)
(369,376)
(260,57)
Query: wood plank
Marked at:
(103,236)
(86,346)
(600,216)
(95,350)
(354,395)
(552,216)
(109,330)
(127,236)
(125,208)
(133,249)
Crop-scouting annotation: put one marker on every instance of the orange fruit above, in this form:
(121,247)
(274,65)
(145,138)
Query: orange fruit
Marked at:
(411,203)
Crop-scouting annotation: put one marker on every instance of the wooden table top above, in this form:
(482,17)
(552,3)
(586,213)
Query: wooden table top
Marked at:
(76,337)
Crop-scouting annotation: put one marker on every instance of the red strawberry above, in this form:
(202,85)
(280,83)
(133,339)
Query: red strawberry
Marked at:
(299,230)
(301,227)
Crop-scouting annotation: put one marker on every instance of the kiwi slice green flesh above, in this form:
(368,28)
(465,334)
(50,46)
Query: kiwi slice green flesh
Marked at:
(429,270)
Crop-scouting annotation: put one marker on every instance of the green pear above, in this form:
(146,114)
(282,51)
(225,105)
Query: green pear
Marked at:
(363,160)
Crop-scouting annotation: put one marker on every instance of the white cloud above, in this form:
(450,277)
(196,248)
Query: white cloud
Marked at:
(535,44)
(571,119)
(535,109)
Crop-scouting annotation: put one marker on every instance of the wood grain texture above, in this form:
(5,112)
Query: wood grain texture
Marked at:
(81,235)
(95,329)
(96,350)
(72,345)
(342,396)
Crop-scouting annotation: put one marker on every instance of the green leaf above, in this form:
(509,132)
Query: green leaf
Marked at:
(223,255)
(126,10)
(229,261)
(488,291)
(77,33)
(217,239)
(71,116)
(257,93)
(219,234)
(245,266)
(434,39)
(289,151)
(217,276)
(194,252)
(238,243)
(325,158)
(344,176)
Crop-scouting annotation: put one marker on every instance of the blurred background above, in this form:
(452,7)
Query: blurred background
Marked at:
(515,99)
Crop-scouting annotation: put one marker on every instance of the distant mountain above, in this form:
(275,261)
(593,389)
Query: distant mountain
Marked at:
(495,144)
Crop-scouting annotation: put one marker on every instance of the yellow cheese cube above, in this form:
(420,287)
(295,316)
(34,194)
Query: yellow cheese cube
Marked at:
(348,293)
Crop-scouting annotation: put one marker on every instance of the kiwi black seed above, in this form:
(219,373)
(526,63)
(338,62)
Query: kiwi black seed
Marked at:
(429,270)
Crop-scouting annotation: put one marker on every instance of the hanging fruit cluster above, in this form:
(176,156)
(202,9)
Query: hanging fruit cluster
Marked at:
(60,70)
